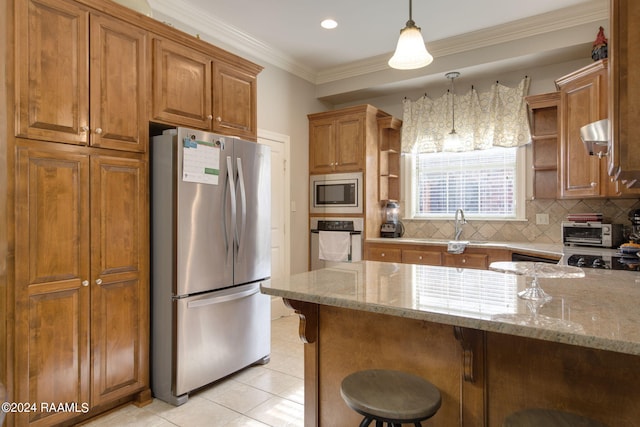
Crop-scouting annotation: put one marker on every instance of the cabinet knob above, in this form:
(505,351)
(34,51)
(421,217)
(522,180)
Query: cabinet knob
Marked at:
(85,283)
(99,131)
(420,257)
(382,254)
(210,117)
(98,281)
(594,184)
(85,128)
(464,260)
(219,118)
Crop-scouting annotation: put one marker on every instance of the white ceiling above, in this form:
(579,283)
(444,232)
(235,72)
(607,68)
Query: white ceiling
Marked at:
(287,33)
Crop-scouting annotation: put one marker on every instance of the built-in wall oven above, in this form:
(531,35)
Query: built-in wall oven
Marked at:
(336,193)
(348,230)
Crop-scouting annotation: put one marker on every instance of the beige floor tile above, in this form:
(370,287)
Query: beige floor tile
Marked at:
(258,396)
(279,412)
(235,395)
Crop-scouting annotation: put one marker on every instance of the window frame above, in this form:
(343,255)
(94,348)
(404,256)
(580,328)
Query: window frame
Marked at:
(409,191)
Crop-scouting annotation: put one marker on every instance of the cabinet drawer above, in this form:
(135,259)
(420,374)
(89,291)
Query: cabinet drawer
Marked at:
(479,261)
(421,257)
(384,254)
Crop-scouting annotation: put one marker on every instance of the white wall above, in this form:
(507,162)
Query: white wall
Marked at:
(283,104)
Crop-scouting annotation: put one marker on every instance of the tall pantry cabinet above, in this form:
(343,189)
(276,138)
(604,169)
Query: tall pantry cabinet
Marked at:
(76,101)
(81,209)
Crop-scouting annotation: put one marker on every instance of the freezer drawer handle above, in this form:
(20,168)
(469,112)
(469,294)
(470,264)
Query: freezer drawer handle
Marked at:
(226,298)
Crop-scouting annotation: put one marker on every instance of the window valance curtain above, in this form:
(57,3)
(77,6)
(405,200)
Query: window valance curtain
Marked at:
(497,118)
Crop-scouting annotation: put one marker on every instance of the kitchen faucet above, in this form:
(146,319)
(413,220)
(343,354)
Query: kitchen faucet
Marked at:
(460,221)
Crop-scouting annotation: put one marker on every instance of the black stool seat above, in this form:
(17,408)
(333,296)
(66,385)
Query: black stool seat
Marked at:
(390,396)
(548,418)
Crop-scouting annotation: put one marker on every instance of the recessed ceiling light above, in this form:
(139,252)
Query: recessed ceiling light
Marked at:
(329,24)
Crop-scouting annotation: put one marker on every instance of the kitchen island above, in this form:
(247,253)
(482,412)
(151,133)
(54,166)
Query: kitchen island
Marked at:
(489,352)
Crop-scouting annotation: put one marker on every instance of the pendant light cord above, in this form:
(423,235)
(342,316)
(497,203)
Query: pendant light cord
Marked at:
(452,76)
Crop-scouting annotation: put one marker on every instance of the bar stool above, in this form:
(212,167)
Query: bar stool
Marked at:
(548,418)
(391,397)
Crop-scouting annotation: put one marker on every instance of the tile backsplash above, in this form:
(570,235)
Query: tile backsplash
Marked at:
(614,211)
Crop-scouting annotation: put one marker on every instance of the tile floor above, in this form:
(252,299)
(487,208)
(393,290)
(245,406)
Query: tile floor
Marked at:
(266,395)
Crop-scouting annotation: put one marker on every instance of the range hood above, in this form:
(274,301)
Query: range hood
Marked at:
(595,137)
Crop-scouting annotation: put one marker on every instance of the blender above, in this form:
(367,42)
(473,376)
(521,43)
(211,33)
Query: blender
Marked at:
(392,227)
(634,217)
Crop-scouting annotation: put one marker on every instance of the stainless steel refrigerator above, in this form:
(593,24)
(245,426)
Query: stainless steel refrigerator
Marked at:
(211,248)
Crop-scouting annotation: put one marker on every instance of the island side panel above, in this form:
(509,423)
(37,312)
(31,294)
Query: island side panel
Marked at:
(529,373)
(352,340)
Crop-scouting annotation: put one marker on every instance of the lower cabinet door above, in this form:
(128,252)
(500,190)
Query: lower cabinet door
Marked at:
(119,284)
(51,288)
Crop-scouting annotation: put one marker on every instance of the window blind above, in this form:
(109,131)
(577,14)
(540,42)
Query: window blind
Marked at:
(481,182)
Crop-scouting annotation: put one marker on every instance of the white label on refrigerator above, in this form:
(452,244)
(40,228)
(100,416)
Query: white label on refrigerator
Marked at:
(200,161)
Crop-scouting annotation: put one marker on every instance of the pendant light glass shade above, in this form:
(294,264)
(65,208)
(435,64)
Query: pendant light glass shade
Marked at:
(411,52)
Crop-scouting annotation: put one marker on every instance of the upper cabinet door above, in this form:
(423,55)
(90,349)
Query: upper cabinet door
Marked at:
(322,145)
(235,102)
(52,82)
(350,143)
(118,85)
(181,85)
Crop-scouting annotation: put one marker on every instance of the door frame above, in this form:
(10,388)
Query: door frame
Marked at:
(278,308)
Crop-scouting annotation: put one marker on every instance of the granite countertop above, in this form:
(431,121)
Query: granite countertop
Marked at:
(554,249)
(601,310)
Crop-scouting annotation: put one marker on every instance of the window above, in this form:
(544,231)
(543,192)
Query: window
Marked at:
(486,184)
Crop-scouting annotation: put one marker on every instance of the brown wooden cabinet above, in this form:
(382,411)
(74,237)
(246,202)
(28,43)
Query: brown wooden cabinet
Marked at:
(181,85)
(119,277)
(544,122)
(81,77)
(336,142)
(434,254)
(191,87)
(467,260)
(583,100)
(81,278)
(235,101)
(419,256)
(383,253)
(624,81)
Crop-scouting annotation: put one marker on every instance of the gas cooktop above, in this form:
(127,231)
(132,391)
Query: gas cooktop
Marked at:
(606,261)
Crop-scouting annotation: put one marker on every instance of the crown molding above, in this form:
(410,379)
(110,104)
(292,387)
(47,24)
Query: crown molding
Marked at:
(216,29)
(212,27)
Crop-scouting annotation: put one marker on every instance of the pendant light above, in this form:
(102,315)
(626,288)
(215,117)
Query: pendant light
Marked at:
(411,52)
(452,140)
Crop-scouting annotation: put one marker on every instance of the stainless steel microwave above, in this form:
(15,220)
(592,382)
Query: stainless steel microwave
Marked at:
(336,193)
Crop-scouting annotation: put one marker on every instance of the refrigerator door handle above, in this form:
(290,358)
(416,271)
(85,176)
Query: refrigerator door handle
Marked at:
(243,206)
(224,298)
(230,187)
